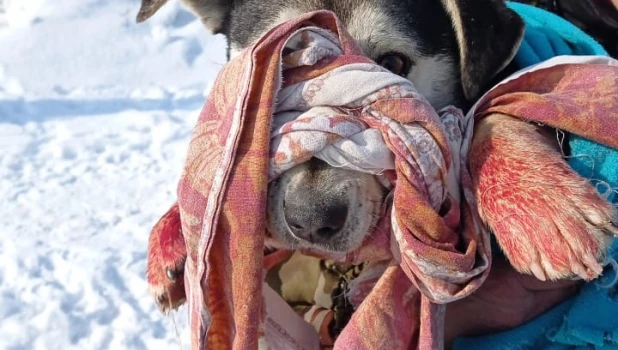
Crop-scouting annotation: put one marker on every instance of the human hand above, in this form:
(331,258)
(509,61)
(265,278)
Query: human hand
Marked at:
(506,300)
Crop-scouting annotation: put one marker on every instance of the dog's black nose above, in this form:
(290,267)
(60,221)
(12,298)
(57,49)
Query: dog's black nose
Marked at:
(317,223)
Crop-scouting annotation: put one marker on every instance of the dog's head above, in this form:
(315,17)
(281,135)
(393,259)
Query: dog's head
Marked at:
(450,49)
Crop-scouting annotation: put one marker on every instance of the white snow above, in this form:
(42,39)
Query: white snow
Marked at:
(96,113)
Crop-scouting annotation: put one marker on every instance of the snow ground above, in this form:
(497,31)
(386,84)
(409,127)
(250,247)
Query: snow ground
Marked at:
(95,117)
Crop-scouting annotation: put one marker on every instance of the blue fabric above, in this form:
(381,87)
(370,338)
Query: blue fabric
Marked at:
(588,320)
(548,35)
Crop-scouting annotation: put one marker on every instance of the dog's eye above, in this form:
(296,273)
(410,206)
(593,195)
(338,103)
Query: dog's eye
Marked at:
(171,275)
(396,63)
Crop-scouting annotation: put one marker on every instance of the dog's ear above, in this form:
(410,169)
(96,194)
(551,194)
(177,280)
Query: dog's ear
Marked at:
(148,8)
(488,34)
(212,13)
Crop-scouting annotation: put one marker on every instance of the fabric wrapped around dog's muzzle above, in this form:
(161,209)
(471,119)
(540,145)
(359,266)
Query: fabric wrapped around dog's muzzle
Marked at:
(359,116)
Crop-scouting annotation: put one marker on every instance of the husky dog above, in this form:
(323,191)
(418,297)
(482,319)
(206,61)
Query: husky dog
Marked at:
(452,51)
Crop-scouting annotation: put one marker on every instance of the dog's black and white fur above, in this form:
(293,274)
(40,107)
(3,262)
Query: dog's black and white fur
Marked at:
(449,49)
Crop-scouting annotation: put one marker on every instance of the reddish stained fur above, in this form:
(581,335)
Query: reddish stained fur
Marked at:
(166,250)
(547,219)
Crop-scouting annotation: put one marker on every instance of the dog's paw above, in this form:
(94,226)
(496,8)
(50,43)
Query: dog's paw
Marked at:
(547,219)
(166,259)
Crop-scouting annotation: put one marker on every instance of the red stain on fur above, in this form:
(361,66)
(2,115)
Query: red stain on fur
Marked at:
(166,258)
(547,219)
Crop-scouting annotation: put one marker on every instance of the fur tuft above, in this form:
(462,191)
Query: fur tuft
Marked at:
(167,251)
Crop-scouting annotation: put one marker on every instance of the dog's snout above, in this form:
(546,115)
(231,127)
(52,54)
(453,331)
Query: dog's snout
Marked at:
(316,206)
(315,223)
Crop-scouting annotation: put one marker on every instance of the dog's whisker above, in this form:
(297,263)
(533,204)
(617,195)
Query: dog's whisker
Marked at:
(171,315)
